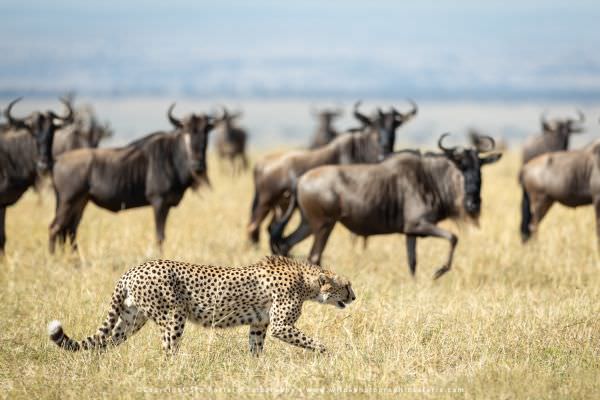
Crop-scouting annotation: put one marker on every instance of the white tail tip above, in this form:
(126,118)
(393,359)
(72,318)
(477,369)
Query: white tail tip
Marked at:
(54,327)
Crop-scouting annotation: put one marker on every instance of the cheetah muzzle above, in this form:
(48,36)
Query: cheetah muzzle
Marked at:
(270,292)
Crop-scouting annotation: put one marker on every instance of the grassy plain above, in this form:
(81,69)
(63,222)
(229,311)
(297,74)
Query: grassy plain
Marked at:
(507,322)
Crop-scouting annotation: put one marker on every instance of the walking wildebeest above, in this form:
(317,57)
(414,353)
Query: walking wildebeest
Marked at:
(325,132)
(407,193)
(277,178)
(571,178)
(231,140)
(555,137)
(25,153)
(155,170)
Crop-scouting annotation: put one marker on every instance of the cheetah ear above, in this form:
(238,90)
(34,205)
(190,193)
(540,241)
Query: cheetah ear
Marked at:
(323,279)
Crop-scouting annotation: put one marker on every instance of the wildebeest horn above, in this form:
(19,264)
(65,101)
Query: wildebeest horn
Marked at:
(225,112)
(581,116)
(490,140)
(441,145)
(359,116)
(543,120)
(12,120)
(69,116)
(176,123)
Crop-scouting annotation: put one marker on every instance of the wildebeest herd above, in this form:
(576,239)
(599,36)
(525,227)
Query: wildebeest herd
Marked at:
(354,177)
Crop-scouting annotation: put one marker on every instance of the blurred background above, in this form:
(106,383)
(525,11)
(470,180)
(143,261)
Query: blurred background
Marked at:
(493,65)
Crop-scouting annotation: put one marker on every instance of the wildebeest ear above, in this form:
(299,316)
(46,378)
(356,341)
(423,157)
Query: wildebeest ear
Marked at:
(490,159)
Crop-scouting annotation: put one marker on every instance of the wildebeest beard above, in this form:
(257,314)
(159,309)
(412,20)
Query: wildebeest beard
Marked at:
(472,188)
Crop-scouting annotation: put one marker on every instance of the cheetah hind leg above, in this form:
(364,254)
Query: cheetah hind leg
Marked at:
(130,321)
(256,338)
(173,331)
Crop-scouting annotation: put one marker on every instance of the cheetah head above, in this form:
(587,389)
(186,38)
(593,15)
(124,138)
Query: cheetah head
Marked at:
(334,290)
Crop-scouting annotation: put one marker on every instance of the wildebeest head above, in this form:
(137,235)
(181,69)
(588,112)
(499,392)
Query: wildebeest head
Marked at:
(562,127)
(327,116)
(195,128)
(469,161)
(41,125)
(229,118)
(385,123)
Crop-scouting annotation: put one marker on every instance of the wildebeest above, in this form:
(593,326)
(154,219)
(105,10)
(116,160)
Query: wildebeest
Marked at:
(571,178)
(25,153)
(555,137)
(407,193)
(230,140)
(155,170)
(325,132)
(85,131)
(277,178)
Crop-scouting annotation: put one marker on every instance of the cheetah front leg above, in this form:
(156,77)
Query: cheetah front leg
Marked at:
(256,337)
(293,335)
(283,319)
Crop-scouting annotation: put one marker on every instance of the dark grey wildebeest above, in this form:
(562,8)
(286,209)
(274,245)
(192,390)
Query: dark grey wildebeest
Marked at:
(325,131)
(230,141)
(407,193)
(25,154)
(155,170)
(555,136)
(571,178)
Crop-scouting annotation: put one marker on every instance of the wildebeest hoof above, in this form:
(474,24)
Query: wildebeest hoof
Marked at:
(279,249)
(441,272)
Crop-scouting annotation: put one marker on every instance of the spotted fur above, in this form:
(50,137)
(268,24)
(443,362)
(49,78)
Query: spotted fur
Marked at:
(269,292)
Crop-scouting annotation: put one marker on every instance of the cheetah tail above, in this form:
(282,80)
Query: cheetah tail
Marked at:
(100,339)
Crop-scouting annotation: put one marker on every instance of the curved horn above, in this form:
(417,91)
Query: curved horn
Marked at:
(225,112)
(12,120)
(490,140)
(415,108)
(69,116)
(359,116)
(543,119)
(176,122)
(441,145)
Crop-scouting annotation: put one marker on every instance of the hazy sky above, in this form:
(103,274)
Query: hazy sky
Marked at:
(435,49)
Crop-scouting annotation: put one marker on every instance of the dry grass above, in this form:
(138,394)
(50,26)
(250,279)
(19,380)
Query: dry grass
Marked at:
(507,322)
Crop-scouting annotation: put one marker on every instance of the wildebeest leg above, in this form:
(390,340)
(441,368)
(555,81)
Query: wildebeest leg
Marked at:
(597,209)
(283,246)
(161,211)
(540,205)
(424,228)
(74,222)
(411,253)
(321,235)
(2,230)
(61,222)
(259,213)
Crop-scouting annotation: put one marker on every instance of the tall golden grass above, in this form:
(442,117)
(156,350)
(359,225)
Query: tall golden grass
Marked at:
(507,322)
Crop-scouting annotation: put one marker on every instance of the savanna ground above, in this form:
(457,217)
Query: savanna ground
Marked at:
(507,322)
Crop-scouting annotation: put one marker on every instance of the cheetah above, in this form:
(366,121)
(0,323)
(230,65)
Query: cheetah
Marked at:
(268,292)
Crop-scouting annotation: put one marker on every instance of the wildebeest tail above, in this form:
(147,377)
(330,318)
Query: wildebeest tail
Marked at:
(100,339)
(277,227)
(525,216)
